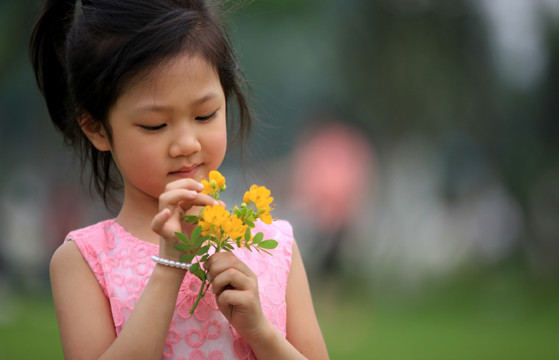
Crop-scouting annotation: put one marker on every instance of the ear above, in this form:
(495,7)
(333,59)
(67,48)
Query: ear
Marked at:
(95,132)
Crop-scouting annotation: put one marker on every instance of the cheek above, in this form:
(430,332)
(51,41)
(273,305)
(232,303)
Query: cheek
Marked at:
(217,146)
(135,158)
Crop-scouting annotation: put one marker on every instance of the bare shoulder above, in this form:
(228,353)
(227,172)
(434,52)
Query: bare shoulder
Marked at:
(68,261)
(70,271)
(66,255)
(81,305)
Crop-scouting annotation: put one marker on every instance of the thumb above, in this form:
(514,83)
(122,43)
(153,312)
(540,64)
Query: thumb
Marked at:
(158,222)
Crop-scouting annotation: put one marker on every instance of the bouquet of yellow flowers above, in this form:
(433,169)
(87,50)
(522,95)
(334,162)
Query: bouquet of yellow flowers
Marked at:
(221,229)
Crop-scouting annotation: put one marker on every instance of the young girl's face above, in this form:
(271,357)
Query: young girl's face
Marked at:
(169,125)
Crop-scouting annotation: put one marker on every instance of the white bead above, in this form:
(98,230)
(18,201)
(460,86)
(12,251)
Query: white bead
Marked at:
(171,263)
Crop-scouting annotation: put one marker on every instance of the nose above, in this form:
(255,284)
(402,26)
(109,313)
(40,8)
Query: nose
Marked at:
(184,141)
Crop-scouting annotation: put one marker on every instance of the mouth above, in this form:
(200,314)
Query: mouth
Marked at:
(186,171)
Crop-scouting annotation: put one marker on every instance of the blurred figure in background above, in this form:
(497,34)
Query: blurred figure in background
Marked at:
(333,168)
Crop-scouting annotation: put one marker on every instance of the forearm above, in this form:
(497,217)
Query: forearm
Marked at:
(144,333)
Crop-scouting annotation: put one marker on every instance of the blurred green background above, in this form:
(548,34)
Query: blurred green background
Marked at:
(413,144)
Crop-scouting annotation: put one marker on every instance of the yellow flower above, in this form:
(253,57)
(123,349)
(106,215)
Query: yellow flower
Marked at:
(266,218)
(218,178)
(212,219)
(259,196)
(221,229)
(215,183)
(207,187)
(234,227)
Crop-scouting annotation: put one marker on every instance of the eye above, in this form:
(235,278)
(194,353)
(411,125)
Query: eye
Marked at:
(206,118)
(153,128)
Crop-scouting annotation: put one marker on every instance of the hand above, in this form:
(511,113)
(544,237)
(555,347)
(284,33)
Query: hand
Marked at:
(236,288)
(179,197)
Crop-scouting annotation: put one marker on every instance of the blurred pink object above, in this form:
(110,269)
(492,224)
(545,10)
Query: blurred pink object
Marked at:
(332,174)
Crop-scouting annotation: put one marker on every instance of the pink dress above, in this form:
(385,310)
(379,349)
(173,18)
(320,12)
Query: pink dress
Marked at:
(122,264)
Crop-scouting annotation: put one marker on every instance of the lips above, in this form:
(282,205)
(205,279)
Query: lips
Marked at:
(186,171)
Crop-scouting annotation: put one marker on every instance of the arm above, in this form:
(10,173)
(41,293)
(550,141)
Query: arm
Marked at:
(84,312)
(236,289)
(303,330)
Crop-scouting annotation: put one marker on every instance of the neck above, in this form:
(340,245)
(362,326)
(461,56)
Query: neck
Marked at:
(136,215)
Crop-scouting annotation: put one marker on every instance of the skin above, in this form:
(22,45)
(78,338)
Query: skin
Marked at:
(168,131)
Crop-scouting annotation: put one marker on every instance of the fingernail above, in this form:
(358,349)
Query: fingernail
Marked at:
(193,193)
(199,186)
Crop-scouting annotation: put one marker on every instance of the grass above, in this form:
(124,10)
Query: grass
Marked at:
(481,316)
(500,316)
(28,328)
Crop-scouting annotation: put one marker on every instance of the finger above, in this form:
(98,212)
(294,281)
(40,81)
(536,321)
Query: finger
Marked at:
(223,261)
(240,299)
(159,220)
(232,279)
(187,183)
(184,199)
(204,200)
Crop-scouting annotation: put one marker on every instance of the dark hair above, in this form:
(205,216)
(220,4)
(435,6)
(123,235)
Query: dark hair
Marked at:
(84,61)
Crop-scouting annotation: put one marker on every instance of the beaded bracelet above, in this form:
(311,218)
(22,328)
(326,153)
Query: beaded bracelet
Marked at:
(171,263)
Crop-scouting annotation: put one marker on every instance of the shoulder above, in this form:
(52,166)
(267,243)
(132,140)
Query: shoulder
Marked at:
(92,239)
(65,253)
(67,260)
(80,302)
(91,231)
(86,249)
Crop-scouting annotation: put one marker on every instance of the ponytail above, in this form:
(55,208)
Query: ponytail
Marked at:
(47,50)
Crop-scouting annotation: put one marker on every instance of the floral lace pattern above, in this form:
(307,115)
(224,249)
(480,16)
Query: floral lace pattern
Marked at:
(122,265)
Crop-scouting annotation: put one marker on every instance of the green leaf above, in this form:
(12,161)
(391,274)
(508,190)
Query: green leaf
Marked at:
(182,237)
(195,267)
(249,223)
(247,235)
(195,235)
(203,250)
(268,244)
(182,247)
(190,219)
(204,258)
(196,270)
(258,238)
(187,257)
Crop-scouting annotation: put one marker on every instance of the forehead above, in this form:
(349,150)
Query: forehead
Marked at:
(183,77)
(180,66)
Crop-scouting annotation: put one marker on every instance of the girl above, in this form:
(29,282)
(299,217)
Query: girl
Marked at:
(141,87)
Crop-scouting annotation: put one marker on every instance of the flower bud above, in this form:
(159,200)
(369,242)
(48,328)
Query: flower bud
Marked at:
(213,184)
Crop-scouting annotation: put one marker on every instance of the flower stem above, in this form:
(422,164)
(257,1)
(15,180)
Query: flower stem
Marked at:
(203,288)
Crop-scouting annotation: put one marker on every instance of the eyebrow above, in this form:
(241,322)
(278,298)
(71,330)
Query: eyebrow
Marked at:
(162,108)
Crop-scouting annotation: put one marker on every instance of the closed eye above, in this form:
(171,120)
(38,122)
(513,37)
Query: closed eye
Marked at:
(153,128)
(206,118)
